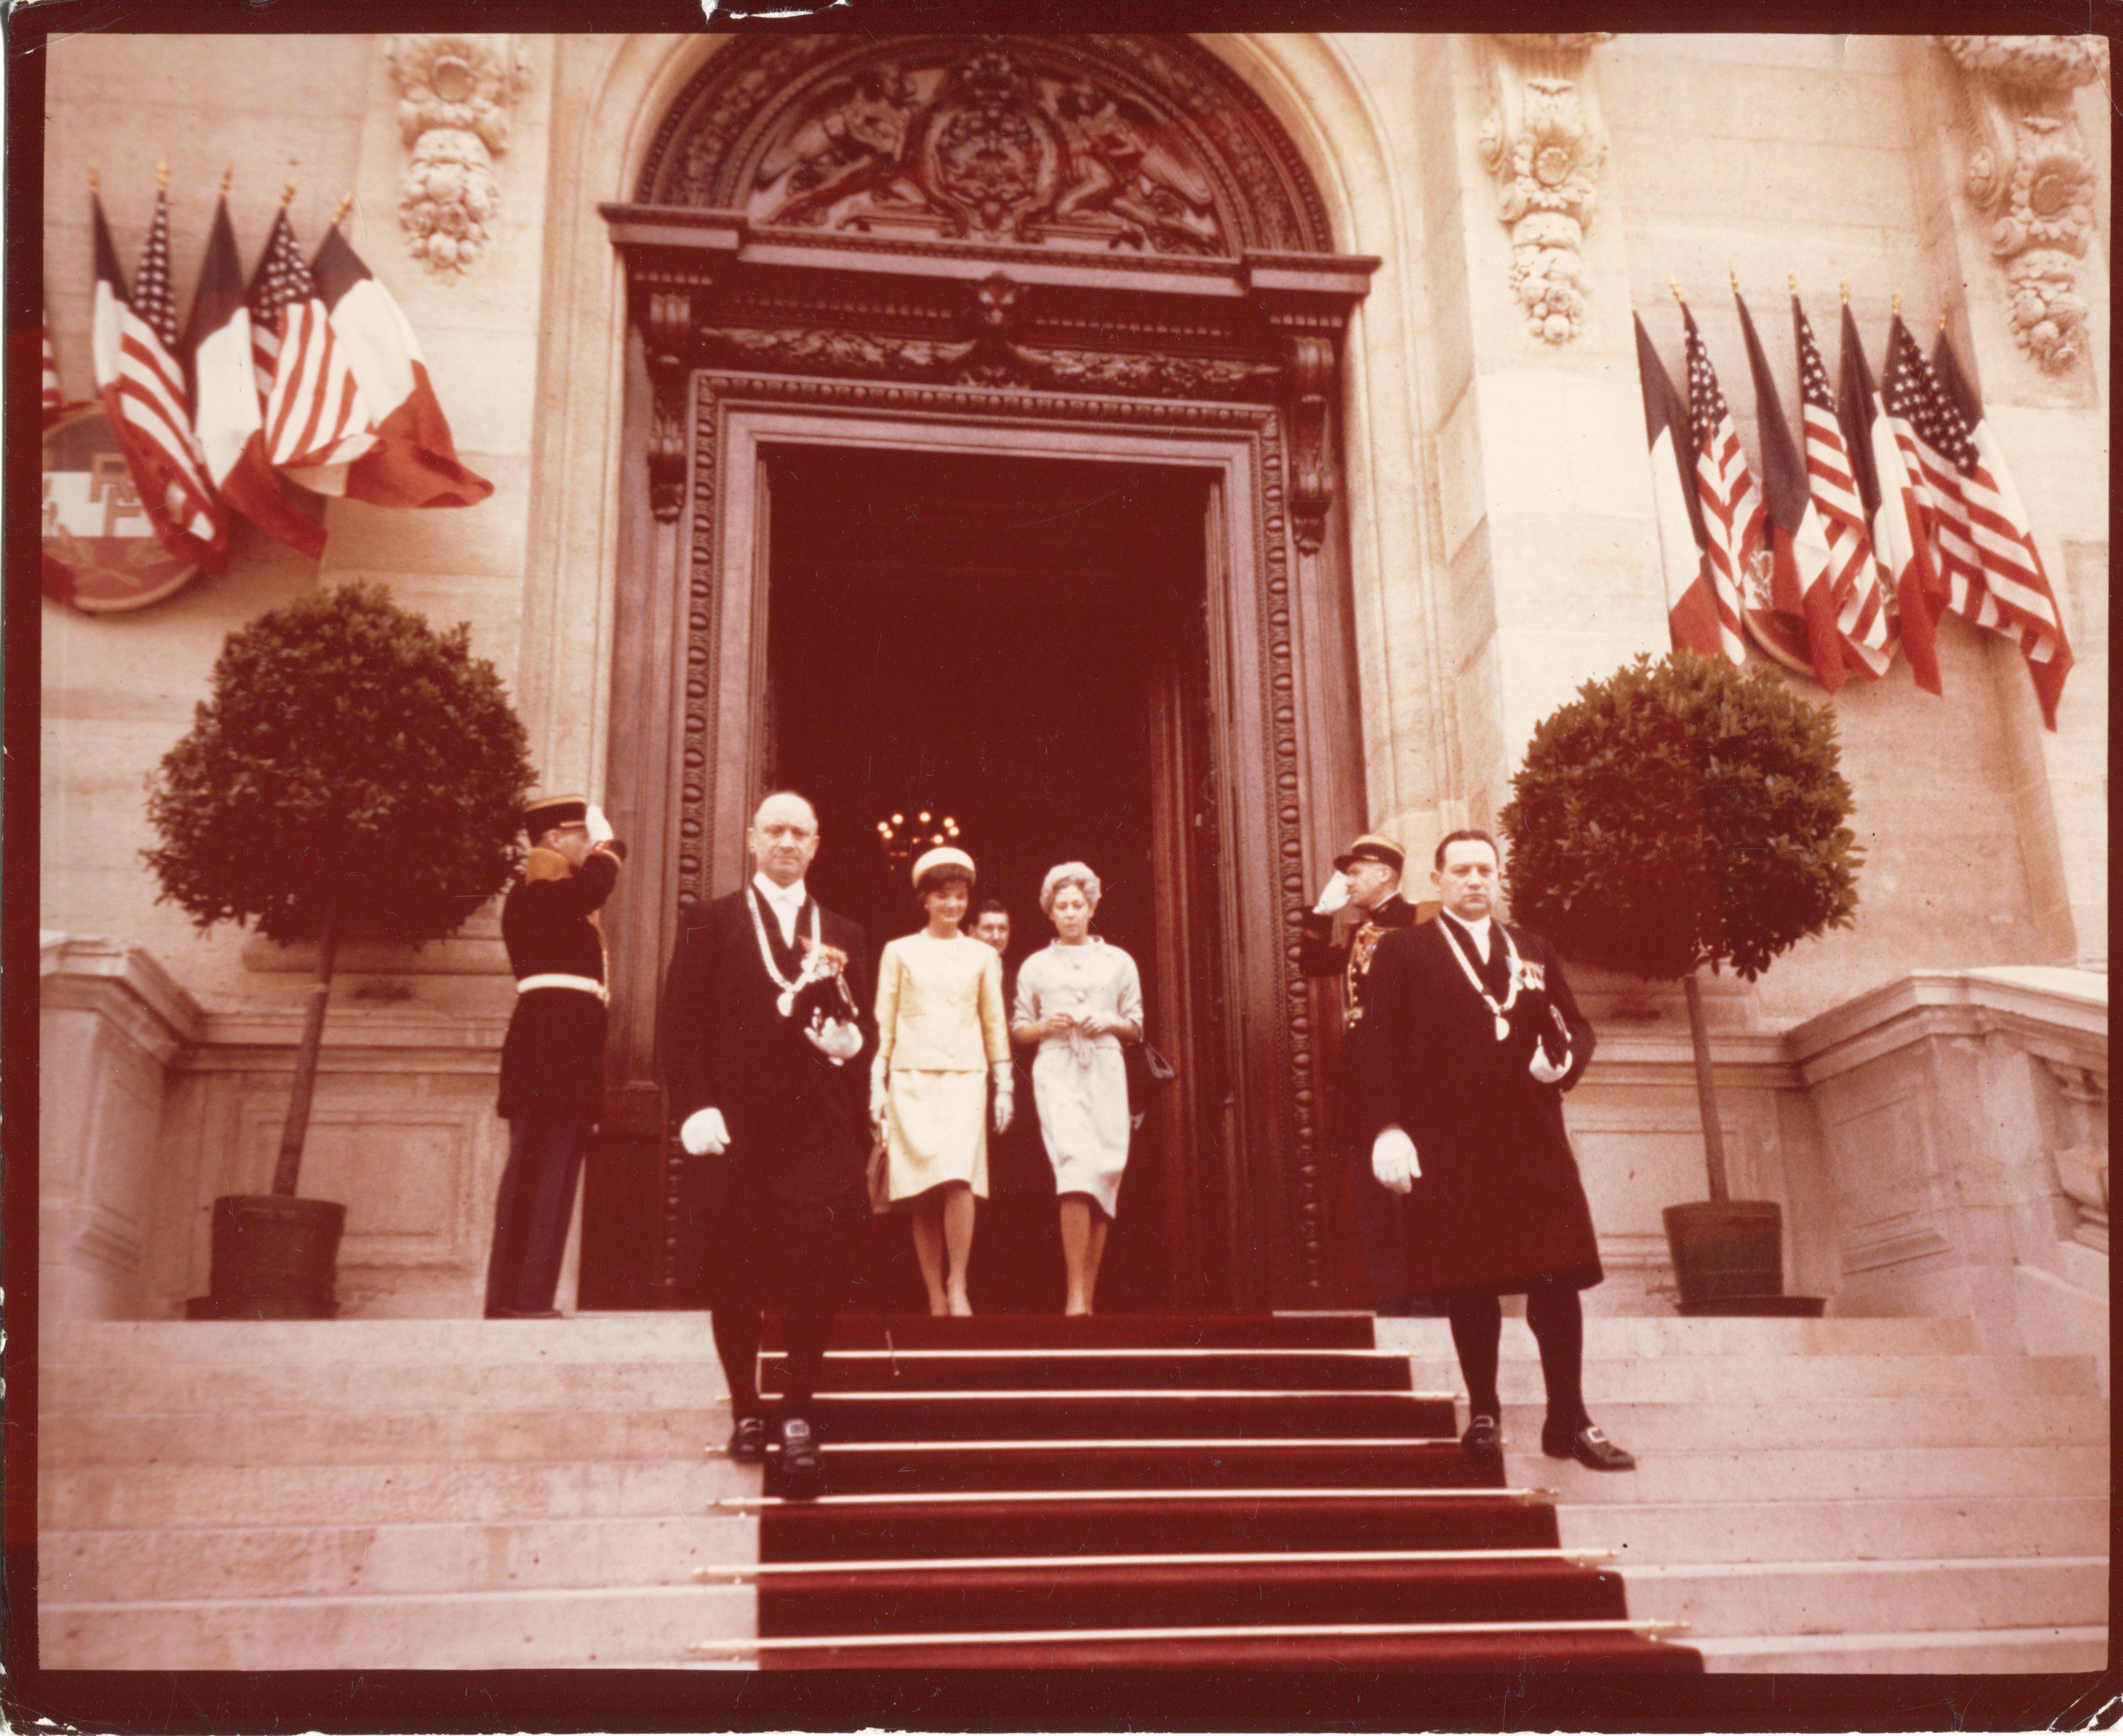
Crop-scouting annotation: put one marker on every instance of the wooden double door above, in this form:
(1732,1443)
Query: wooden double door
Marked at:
(1086,636)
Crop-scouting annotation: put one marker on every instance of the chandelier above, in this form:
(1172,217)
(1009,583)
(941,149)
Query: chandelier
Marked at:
(903,835)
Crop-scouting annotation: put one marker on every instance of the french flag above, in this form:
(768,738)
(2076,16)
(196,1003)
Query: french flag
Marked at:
(414,462)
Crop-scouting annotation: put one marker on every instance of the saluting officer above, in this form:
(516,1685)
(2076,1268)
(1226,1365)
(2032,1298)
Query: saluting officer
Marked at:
(1365,883)
(552,1060)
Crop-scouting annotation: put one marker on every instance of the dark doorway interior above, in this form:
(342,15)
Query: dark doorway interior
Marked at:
(990,639)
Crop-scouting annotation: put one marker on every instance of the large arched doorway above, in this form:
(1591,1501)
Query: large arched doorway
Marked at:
(980,454)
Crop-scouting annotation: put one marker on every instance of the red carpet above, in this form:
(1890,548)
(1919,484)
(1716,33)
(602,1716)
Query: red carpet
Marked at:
(1220,1491)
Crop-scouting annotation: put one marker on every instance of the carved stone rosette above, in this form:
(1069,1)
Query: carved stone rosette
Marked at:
(2029,173)
(454,97)
(1544,143)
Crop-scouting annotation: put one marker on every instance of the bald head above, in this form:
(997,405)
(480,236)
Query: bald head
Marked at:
(783,837)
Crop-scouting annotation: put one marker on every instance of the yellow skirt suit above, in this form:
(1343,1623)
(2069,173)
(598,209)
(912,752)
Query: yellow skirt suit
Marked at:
(940,1027)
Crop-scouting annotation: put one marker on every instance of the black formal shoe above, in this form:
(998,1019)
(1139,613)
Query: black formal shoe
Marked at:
(748,1441)
(1484,1441)
(1588,1444)
(801,1470)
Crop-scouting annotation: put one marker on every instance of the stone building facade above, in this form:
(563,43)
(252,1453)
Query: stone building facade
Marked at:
(1353,313)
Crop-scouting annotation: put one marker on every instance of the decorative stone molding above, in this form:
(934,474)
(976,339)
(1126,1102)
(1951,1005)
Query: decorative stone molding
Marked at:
(2083,1167)
(1544,142)
(2029,172)
(454,97)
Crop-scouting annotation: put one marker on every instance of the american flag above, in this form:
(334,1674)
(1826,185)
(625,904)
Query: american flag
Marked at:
(1890,493)
(2016,587)
(1732,507)
(1800,560)
(315,414)
(144,395)
(1861,605)
(54,400)
(1934,444)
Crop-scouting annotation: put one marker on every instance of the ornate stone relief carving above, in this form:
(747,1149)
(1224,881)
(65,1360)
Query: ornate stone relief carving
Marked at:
(1096,142)
(2029,173)
(2083,1168)
(1544,143)
(454,97)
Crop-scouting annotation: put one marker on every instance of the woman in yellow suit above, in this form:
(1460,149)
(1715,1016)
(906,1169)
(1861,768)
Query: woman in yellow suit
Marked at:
(942,1037)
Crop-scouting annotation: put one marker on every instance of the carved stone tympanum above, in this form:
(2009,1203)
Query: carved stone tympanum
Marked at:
(1544,143)
(1115,143)
(2029,173)
(455,92)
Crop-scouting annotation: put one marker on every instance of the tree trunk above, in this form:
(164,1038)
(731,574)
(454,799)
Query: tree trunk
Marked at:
(289,1166)
(1706,1091)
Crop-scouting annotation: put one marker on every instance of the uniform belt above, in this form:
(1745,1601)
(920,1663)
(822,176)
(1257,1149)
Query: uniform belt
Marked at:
(560,979)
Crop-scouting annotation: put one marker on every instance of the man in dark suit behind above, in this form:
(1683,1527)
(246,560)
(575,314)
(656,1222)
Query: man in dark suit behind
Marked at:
(1476,1036)
(765,1034)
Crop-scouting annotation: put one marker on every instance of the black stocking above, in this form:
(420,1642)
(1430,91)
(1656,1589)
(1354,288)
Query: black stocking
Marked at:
(1557,1318)
(1478,1327)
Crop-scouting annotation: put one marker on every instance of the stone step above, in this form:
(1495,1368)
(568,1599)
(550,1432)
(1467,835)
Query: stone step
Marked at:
(106,1385)
(1878,1529)
(335,1560)
(1994,1651)
(645,1627)
(684,1336)
(1827,1597)
(1664,1335)
(379,1437)
(1847,1422)
(1820,1474)
(101,1497)
(1683,1379)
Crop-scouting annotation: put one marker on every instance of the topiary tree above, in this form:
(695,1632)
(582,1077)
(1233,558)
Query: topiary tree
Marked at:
(1682,814)
(354,771)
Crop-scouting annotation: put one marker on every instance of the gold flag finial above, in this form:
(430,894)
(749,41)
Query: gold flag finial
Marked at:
(1943,318)
(1674,284)
(339,210)
(287,195)
(95,178)
(1897,308)
(1733,273)
(1845,287)
(227,175)
(1792,278)
(162,175)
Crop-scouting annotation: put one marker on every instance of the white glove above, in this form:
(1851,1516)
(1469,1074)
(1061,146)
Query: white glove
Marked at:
(1392,1160)
(1334,895)
(704,1134)
(1548,1072)
(1005,1094)
(601,832)
(841,1039)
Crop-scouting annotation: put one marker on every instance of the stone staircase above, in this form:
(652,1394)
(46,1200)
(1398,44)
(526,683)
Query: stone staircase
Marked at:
(1844,1494)
(1839,1495)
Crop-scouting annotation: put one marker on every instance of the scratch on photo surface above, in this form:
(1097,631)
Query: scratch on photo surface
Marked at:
(708,8)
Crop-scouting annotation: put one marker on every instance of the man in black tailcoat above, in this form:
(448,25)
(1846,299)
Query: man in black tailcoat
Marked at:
(1477,1036)
(552,1059)
(765,1035)
(1366,885)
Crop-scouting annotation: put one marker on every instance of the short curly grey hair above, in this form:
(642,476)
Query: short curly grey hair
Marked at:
(1069,874)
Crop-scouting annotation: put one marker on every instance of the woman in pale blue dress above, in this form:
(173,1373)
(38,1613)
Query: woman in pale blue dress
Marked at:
(1080,1001)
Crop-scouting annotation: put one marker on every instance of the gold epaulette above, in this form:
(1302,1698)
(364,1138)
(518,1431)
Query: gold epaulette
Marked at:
(542,865)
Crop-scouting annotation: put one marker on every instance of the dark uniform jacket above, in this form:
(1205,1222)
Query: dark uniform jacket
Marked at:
(1318,955)
(799,1125)
(553,1057)
(1498,1201)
